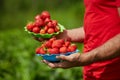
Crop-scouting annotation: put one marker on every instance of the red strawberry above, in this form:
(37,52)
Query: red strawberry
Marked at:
(37,17)
(42,51)
(30,26)
(67,43)
(46,28)
(37,50)
(36,30)
(68,49)
(52,39)
(50,25)
(57,29)
(42,31)
(72,48)
(61,41)
(48,44)
(63,49)
(56,44)
(47,20)
(50,30)
(55,23)
(39,22)
(45,14)
(53,51)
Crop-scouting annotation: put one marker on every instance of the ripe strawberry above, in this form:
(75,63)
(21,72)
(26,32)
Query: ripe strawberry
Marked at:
(68,49)
(61,41)
(37,50)
(72,48)
(53,51)
(30,26)
(48,44)
(56,44)
(57,29)
(45,14)
(39,22)
(47,20)
(67,43)
(42,31)
(50,30)
(46,28)
(42,51)
(50,25)
(52,39)
(37,17)
(63,49)
(55,23)
(36,30)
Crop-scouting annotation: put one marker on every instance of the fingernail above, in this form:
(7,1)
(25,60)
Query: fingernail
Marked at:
(57,56)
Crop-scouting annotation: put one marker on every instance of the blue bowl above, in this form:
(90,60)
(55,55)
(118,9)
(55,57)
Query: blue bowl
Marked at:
(52,57)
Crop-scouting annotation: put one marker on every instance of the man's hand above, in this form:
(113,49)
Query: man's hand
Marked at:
(68,61)
(73,60)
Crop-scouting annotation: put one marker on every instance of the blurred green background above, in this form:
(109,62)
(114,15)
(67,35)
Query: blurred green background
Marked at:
(17,48)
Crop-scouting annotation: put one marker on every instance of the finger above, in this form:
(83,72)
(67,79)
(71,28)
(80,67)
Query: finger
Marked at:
(52,65)
(63,65)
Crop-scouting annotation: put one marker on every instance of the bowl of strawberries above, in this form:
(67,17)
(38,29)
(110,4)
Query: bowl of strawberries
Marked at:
(43,26)
(55,47)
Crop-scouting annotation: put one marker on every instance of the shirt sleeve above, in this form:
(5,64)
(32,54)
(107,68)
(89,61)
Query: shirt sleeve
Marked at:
(118,3)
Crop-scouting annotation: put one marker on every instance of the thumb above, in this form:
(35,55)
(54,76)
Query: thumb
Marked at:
(66,58)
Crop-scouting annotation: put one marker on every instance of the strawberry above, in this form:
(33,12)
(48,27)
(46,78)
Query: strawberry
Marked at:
(50,25)
(42,51)
(53,51)
(48,44)
(67,43)
(72,48)
(45,14)
(56,44)
(46,28)
(30,26)
(61,41)
(63,49)
(37,17)
(57,29)
(52,39)
(47,20)
(50,30)
(39,22)
(55,23)
(37,50)
(36,30)
(42,31)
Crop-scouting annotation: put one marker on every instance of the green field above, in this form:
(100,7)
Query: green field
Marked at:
(17,48)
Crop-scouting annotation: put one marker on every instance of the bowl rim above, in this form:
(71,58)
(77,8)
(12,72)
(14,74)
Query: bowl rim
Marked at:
(68,53)
(62,28)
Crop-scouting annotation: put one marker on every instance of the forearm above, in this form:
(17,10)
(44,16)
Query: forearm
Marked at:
(109,50)
(76,35)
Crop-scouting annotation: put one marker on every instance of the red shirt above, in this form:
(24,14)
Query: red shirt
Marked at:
(101,23)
